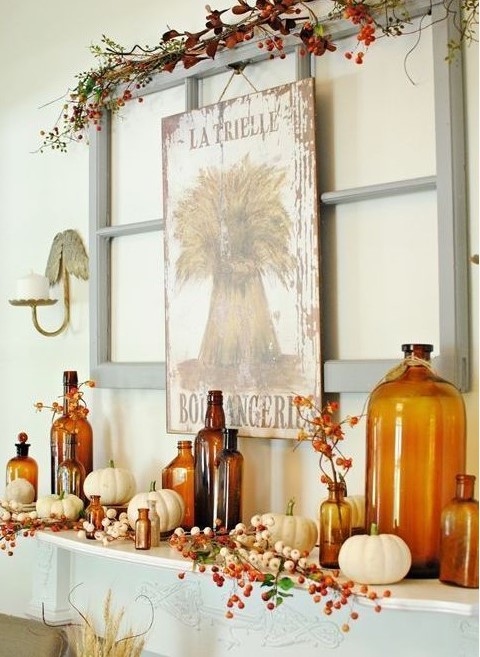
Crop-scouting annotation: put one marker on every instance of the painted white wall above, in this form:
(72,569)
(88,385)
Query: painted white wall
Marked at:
(43,46)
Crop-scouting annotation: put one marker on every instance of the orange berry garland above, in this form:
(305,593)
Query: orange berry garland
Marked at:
(244,557)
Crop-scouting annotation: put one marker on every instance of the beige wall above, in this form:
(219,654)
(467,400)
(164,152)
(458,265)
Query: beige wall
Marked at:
(43,46)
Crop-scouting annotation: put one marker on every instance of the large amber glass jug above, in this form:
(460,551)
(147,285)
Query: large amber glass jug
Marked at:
(415,448)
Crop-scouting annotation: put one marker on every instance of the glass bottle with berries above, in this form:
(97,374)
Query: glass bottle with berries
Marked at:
(72,421)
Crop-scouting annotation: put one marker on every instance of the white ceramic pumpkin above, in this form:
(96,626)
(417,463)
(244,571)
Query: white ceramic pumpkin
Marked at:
(168,503)
(20,490)
(298,532)
(375,558)
(114,485)
(357,510)
(58,506)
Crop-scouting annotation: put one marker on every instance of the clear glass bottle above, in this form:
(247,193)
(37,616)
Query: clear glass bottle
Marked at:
(459,536)
(208,443)
(229,464)
(73,420)
(335,524)
(415,447)
(154,524)
(23,466)
(94,514)
(71,473)
(143,538)
(179,475)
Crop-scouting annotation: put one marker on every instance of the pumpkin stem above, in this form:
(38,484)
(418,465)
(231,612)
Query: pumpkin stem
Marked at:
(152,486)
(111,463)
(374,529)
(290,505)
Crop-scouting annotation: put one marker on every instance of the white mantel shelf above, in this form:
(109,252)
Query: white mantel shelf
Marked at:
(409,595)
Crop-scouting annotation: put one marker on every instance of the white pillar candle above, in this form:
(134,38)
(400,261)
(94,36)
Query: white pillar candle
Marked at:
(32,286)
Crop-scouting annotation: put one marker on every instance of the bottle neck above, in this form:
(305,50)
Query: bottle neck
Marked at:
(215,415)
(184,447)
(230,439)
(465,487)
(70,447)
(336,491)
(421,351)
(22,449)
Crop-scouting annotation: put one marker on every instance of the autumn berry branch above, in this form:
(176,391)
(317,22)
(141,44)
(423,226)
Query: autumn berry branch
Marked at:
(121,74)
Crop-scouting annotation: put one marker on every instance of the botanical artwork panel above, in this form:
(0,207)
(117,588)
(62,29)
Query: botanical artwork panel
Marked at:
(242,260)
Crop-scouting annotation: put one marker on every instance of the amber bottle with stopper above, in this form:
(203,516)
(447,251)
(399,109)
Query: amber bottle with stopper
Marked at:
(72,421)
(23,466)
(143,529)
(208,444)
(94,514)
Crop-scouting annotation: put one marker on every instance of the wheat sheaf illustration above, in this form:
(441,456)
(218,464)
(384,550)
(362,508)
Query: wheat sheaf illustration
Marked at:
(234,230)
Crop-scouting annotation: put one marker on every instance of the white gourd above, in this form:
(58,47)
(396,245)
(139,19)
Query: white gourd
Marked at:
(20,490)
(114,485)
(57,506)
(298,532)
(168,503)
(375,558)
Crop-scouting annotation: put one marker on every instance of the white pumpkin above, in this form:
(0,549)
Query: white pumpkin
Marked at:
(168,503)
(375,558)
(58,506)
(357,510)
(298,532)
(114,485)
(20,490)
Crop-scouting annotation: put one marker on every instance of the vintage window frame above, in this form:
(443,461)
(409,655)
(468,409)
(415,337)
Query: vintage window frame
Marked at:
(339,376)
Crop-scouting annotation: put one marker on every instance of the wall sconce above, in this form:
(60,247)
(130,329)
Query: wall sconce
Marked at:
(67,256)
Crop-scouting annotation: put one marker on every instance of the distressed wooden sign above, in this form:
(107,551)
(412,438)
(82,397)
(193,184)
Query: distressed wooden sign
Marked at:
(242,260)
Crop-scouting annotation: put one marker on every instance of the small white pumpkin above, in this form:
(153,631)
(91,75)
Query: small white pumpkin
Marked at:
(58,506)
(114,485)
(298,532)
(168,503)
(20,490)
(375,558)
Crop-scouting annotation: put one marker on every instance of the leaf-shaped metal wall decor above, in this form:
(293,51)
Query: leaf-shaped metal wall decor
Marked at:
(67,253)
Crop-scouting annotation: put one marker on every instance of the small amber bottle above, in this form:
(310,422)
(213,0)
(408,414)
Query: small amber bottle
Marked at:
(143,537)
(229,466)
(154,524)
(94,514)
(179,475)
(459,536)
(71,473)
(23,466)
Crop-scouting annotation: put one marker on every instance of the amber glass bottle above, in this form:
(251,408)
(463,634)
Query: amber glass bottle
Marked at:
(335,524)
(415,447)
(154,524)
(23,466)
(179,475)
(459,536)
(208,443)
(73,420)
(143,537)
(229,473)
(94,514)
(71,473)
